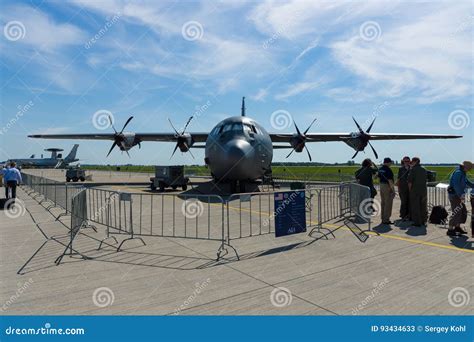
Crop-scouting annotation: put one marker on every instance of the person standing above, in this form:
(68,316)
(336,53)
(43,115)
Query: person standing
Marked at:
(458,183)
(13,179)
(403,191)
(387,190)
(418,186)
(2,176)
(365,176)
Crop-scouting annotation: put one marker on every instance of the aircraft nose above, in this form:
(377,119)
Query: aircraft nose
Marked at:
(238,151)
(240,159)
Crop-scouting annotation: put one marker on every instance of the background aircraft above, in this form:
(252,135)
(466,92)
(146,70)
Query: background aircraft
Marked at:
(239,149)
(56,160)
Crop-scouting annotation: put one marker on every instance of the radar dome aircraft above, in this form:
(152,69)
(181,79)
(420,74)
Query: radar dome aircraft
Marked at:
(56,160)
(238,149)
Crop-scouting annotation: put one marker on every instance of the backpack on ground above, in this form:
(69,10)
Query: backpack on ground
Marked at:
(438,215)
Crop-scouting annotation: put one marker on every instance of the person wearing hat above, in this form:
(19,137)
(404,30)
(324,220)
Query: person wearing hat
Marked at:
(403,191)
(418,185)
(387,190)
(458,183)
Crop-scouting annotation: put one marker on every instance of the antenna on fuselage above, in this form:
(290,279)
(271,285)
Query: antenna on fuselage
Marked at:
(243,106)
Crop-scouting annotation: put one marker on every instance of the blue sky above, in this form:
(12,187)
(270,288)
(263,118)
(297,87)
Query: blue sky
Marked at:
(410,64)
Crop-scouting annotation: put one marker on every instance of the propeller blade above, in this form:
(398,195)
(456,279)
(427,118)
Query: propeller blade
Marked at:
(126,123)
(139,145)
(289,154)
(358,126)
(373,150)
(297,129)
(189,150)
(113,145)
(370,127)
(177,133)
(309,154)
(187,123)
(175,148)
(128,154)
(111,124)
(307,129)
(355,154)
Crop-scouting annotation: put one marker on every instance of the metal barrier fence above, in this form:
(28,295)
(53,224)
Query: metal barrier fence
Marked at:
(204,217)
(186,216)
(78,221)
(437,196)
(58,193)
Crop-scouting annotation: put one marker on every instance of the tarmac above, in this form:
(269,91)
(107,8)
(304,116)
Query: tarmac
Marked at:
(404,271)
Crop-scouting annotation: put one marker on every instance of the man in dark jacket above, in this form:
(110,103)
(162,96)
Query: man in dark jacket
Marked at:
(365,176)
(387,190)
(458,183)
(418,185)
(403,191)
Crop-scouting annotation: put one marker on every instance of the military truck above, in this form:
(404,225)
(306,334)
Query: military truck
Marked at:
(75,174)
(169,176)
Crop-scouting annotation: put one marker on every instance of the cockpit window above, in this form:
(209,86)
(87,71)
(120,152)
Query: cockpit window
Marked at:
(232,127)
(215,130)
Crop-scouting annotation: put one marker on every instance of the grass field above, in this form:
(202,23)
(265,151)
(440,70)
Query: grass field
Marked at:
(319,172)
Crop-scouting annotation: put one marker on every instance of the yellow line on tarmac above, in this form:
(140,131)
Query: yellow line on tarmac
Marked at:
(390,236)
(415,241)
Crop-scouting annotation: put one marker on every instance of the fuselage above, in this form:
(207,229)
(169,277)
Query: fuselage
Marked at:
(41,163)
(238,149)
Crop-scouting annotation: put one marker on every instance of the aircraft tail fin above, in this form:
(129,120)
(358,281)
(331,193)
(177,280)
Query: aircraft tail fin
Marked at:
(32,156)
(71,157)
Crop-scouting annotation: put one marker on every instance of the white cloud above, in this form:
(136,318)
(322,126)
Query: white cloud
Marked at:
(297,88)
(260,95)
(220,58)
(41,31)
(420,58)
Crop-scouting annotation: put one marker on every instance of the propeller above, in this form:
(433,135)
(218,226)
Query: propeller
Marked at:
(119,138)
(365,137)
(181,138)
(300,139)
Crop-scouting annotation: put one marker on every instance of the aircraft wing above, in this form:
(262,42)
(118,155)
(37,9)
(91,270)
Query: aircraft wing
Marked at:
(403,136)
(322,137)
(198,137)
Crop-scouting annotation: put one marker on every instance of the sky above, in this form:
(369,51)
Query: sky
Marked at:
(409,64)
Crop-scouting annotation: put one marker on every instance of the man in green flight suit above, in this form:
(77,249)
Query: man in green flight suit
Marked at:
(417,183)
(403,191)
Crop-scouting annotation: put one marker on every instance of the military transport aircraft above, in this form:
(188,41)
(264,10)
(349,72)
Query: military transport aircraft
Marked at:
(55,161)
(239,149)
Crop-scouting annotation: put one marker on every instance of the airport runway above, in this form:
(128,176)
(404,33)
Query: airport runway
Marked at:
(405,271)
